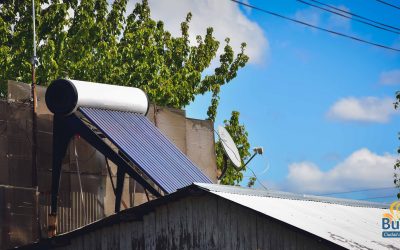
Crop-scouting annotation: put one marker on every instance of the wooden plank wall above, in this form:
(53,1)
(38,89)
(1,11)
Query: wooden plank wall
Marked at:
(205,222)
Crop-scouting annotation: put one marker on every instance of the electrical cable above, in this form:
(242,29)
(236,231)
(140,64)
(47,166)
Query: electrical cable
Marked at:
(389,4)
(316,27)
(360,190)
(80,182)
(354,14)
(379,197)
(259,182)
(348,17)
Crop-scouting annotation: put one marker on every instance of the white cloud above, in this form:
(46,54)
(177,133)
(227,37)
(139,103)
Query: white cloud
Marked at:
(339,22)
(224,16)
(366,109)
(247,9)
(309,15)
(391,77)
(362,169)
(322,18)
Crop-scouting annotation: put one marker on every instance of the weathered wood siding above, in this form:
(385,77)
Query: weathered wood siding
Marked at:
(198,222)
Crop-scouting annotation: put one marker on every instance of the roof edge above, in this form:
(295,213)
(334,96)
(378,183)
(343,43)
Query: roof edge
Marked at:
(288,195)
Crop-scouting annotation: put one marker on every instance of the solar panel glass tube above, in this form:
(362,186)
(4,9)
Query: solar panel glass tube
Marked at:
(147,148)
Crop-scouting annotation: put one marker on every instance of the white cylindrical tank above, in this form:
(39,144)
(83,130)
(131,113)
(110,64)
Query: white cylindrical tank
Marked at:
(64,96)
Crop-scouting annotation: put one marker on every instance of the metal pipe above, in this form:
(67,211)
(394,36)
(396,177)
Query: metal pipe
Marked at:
(251,158)
(34,99)
(34,122)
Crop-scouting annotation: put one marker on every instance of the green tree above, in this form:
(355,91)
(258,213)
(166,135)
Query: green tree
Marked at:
(101,45)
(239,135)
(97,43)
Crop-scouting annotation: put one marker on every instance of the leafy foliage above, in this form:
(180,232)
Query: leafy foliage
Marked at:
(239,135)
(89,41)
(101,45)
(252,181)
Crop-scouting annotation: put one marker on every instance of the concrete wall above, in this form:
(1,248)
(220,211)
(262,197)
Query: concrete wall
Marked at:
(194,137)
(200,146)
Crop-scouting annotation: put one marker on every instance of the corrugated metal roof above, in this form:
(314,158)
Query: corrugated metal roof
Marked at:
(147,148)
(287,195)
(351,224)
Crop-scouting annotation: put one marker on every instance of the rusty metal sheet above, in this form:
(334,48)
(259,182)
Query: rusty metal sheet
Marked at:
(4,171)
(19,120)
(18,216)
(19,160)
(19,146)
(41,103)
(44,150)
(44,181)
(18,91)
(45,123)
(3,110)
(20,173)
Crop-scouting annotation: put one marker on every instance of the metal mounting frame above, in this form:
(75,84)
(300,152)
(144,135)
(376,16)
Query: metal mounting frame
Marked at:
(64,128)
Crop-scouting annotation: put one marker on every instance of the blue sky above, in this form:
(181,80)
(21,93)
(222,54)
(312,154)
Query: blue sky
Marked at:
(319,104)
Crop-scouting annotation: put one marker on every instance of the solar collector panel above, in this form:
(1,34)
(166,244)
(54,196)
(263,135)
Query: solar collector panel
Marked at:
(157,148)
(147,147)
(120,135)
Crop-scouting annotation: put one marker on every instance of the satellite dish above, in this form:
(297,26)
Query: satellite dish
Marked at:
(232,153)
(229,147)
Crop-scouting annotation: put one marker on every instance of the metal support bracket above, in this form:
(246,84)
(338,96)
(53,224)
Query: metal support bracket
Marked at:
(64,128)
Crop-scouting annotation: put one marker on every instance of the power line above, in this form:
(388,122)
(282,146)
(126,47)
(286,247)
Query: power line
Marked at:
(389,4)
(316,27)
(379,197)
(360,190)
(259,182)
(348,17)
(354,14)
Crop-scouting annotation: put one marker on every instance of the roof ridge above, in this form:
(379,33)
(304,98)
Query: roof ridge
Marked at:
(288,195)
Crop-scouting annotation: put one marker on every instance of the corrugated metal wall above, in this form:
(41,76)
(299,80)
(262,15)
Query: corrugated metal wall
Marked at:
(77,214)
